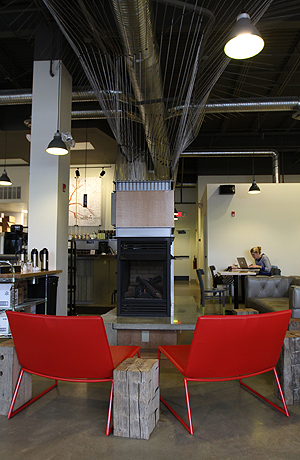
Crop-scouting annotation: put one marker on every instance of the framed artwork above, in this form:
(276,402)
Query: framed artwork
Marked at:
(85,201)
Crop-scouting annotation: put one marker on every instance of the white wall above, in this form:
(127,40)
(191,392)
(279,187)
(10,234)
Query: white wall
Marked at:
(204,180)
(270,219)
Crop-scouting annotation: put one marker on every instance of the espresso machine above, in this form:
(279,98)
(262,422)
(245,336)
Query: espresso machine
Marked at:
(15,240)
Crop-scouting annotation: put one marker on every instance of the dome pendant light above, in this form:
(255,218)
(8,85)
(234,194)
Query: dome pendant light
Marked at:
(4,179)
(57,146)
(245,40)
(254,188)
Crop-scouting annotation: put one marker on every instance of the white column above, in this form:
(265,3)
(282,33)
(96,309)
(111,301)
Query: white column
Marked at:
(49,174)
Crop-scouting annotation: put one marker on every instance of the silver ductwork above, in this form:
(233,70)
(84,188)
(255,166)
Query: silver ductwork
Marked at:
(252,105)
(279,104)
(18,97)
(101,115)
(249,153)
(244,105)
(15,97)
(134,21)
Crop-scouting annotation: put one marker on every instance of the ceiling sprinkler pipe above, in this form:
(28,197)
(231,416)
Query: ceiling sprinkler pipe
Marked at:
(249,153)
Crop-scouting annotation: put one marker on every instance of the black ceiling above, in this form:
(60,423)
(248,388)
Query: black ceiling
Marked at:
(274,73)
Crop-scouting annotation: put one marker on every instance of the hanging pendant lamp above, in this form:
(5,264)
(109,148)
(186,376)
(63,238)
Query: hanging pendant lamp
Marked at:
(57,146)
(254,188)
(245,40)
(4,179)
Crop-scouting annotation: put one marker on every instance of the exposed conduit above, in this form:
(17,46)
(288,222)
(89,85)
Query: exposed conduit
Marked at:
(221,106)
(213,106)
(248,153)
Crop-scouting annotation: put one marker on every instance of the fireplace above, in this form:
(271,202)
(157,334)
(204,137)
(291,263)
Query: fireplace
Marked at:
(143,214)
(144,276)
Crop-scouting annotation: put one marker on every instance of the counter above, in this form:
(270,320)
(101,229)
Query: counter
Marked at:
(22,276)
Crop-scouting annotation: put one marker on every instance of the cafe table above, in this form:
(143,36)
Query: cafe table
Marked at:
(236,273)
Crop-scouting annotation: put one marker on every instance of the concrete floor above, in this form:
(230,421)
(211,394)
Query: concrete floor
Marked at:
(229,423)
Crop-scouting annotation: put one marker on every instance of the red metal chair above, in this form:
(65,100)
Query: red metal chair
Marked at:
(70,348)
(230,348)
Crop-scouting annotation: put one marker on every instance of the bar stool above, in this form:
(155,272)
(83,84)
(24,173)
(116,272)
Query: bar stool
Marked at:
(210,293)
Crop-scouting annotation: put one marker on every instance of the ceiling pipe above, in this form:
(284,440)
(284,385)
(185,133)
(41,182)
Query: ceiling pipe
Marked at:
(17,97)
(252,105)
(221,106)
(249,153)
(213,106)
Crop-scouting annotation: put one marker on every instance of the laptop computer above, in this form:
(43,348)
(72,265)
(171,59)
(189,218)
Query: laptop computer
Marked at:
(243,264)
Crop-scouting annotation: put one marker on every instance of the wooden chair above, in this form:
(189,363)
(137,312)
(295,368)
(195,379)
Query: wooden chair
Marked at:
(70,348)
(210,293)
(230,348)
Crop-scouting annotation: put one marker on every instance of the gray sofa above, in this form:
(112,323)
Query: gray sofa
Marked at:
(273,293)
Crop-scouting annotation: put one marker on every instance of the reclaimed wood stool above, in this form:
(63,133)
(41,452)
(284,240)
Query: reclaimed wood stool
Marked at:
(9,373)
(288,368)
(245,311)
(136,398)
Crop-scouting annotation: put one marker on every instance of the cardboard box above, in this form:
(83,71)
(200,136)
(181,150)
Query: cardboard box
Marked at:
(8,296)
(4,324)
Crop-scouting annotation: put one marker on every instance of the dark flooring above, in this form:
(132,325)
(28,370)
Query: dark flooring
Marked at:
(229,423)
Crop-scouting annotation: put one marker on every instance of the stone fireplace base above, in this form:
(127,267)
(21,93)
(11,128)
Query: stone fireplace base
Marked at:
(146,339)
(149,333)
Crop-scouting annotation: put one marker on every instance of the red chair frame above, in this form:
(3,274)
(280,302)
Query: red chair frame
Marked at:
(67,348)
(229,348)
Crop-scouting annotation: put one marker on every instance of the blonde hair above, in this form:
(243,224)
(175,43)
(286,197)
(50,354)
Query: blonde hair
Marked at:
(256,249)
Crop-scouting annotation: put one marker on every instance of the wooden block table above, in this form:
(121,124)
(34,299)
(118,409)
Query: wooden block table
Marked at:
(9,373)
(294,324)
(245,311)
(288,368)
(136,398)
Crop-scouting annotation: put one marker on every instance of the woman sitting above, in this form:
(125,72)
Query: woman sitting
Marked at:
(261,261)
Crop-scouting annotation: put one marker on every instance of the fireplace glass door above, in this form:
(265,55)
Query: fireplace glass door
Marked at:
(143,276)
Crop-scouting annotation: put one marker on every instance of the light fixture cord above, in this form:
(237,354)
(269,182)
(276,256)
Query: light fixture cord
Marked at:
(58,106)
(85,160)
(59,81)
(5,150)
